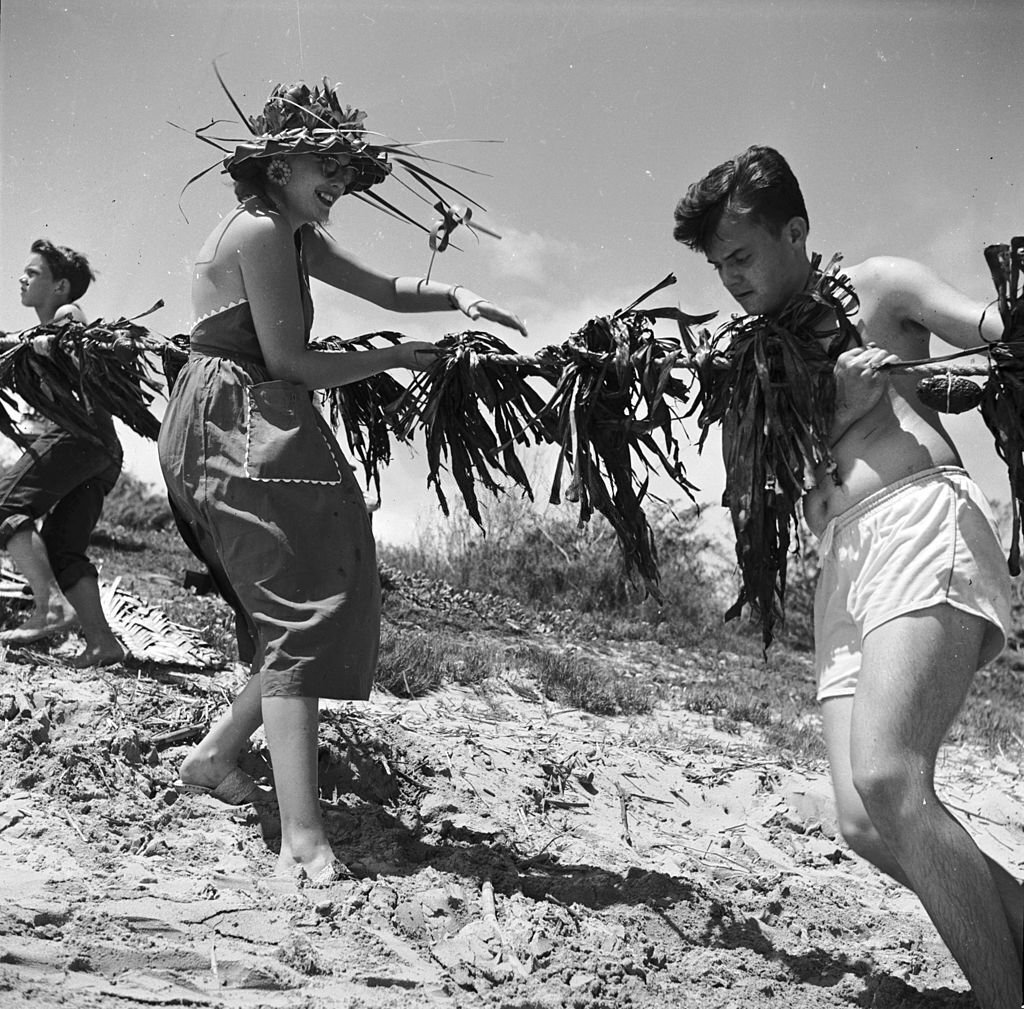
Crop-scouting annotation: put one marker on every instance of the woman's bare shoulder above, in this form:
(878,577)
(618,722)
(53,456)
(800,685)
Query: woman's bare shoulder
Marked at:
(245,228)
(240,237)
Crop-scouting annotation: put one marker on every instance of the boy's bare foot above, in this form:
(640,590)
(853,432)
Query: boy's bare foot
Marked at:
(41,624)
(106,653)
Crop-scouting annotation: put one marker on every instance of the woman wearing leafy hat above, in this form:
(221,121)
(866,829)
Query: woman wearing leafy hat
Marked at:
(259,486)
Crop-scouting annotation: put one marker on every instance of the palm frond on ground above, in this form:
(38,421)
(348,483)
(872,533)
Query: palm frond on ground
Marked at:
(150,636)
(146,632)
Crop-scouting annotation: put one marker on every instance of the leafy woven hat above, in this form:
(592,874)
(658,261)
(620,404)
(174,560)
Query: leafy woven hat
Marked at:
(299,120)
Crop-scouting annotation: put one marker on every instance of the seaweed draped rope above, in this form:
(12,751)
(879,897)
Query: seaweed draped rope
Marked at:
(87,365)
(769,382)
(613,411)
(360,409)
(1002,403)
(948,388)
(474,408)
(611,403)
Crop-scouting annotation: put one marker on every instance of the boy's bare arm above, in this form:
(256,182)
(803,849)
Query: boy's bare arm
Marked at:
(911,294)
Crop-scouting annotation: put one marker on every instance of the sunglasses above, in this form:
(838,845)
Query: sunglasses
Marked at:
(330,167)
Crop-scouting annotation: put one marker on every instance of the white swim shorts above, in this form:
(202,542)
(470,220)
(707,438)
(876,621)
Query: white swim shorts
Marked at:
(924,540)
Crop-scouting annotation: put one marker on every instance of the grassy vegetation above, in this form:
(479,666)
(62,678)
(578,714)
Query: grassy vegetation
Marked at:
(133,505)
(413,662)
(548,562)
(576,681)
(548,565)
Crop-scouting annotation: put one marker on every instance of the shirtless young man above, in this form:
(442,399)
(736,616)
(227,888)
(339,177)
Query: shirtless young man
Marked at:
(61,478)
(913,593)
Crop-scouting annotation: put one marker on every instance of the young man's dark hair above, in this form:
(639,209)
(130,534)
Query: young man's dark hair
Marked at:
(757,184)
(66,264)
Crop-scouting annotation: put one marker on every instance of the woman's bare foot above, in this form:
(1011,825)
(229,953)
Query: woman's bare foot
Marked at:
(305,850)
(323,870)
(204,771)
(58,616)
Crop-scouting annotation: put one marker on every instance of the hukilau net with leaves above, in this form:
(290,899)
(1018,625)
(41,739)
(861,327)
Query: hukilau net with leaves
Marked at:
(948,388)
(89,365)
(610,411)
(474,406)
(361,409)
(769,381)
(1002,404)
(615,402)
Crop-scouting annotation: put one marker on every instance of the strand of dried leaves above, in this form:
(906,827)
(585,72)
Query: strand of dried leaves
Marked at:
(1002,404)
(102,365)
(610,412)
(769,383)
(613,394)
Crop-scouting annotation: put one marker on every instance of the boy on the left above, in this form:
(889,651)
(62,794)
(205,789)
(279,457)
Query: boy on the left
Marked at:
(61,478)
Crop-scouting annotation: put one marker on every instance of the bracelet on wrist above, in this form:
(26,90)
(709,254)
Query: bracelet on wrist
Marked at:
(452,300)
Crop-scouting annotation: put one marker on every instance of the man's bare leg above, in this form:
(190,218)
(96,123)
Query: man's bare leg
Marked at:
(860,833)
(915,674)
(101,645)
(52,612)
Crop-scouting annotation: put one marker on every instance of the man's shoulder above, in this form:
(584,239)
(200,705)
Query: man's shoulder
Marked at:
(894,284)
(888,272)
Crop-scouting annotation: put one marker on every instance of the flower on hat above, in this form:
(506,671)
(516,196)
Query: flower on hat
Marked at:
(279,171)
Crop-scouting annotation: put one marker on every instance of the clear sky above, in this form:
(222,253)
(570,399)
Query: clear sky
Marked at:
(902,119)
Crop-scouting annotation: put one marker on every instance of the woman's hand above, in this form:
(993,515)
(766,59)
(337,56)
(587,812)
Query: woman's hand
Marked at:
(479,308)
(415,355)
